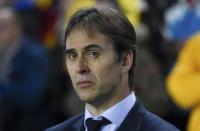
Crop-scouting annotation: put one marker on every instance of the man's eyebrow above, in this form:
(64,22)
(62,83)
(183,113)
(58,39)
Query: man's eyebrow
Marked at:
(68,51)
(85,48)
(92,46)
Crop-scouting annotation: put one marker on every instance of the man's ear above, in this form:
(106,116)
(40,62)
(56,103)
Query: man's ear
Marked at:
(127,61)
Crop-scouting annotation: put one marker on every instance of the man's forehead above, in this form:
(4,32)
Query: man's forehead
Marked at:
(84,31)
(82,39)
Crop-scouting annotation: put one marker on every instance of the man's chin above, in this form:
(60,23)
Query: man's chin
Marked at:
(87,98)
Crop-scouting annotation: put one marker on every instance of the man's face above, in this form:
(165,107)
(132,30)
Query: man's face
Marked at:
(92,67)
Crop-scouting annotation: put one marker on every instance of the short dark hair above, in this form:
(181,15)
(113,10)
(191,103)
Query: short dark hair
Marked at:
(111,23)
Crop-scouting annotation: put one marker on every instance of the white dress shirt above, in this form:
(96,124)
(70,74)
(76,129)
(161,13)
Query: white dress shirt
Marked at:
(115,114)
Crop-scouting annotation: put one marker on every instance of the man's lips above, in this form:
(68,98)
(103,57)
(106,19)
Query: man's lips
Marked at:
(84,84)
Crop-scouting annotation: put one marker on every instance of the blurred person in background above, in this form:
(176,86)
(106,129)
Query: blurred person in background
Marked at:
(182,20)
(24,68)
(42,20)
(184,81)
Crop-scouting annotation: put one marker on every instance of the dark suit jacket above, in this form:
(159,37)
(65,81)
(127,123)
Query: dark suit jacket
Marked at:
(138,119)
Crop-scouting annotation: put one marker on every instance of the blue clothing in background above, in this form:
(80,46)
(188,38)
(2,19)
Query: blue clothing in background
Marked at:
(182,21)
(1,122)
(28,75)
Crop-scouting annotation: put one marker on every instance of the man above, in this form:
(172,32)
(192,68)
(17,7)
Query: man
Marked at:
(184,80)
(100,60)
(24,70)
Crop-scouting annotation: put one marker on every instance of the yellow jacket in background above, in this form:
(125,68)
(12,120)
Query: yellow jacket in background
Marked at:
(183,81)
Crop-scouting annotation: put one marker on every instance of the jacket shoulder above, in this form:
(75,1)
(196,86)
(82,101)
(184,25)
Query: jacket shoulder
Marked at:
(155,123)
(68,123)
(139,119)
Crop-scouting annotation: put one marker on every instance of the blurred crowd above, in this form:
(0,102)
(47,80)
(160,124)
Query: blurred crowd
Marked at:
(35,91)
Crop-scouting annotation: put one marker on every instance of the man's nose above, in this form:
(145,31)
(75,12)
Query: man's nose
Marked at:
(82,66)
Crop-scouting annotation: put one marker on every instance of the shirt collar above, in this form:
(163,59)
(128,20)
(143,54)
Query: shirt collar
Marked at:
(117,113)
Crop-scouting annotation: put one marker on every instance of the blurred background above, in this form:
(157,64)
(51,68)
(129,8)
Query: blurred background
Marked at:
(35,91)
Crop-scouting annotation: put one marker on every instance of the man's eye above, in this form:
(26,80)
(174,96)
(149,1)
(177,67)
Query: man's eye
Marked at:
(72,56)
(93,54)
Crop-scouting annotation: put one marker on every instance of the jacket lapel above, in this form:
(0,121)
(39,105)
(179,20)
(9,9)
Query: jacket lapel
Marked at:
(133,120)
(78,125)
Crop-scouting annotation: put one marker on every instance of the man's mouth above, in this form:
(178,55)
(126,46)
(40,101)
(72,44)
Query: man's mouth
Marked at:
(84,84)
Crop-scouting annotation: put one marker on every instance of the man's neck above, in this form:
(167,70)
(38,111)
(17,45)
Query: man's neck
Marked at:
(97,109)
